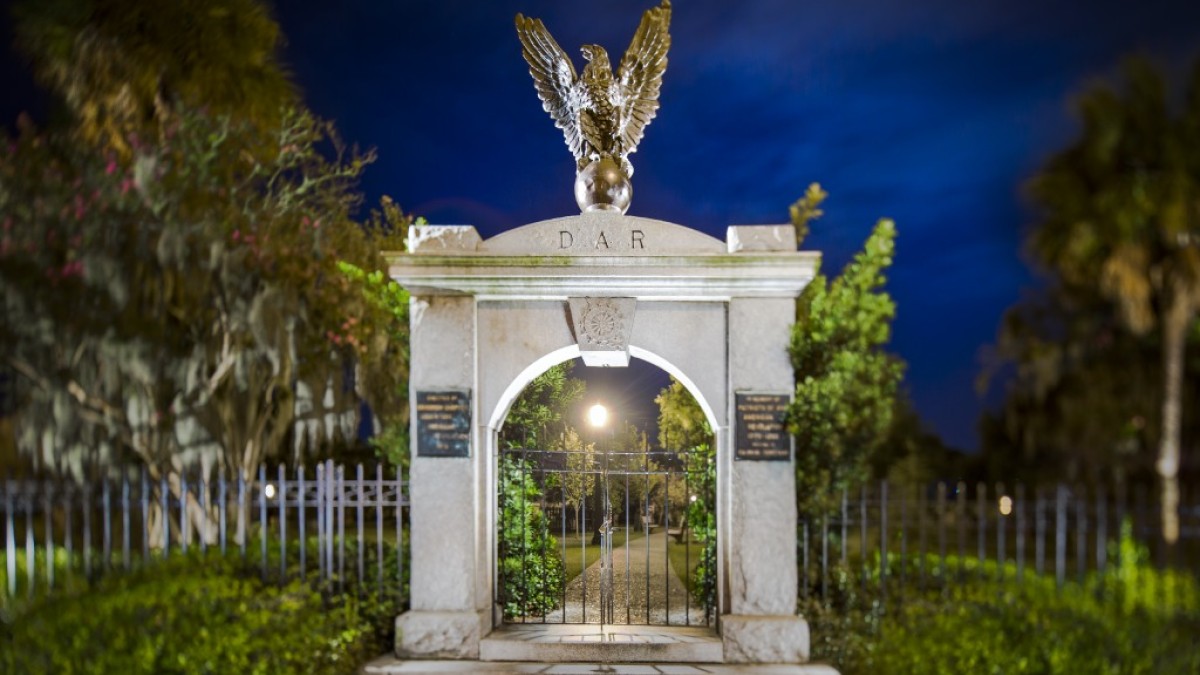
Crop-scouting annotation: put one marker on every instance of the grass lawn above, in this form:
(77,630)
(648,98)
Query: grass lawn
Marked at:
(574,563)
(684,559)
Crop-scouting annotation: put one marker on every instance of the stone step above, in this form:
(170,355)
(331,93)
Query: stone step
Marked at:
(608,644)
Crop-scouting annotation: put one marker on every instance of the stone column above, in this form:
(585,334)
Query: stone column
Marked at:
(446,619)
(761,625)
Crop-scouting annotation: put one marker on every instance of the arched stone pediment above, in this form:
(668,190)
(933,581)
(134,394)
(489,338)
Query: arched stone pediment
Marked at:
(603,234)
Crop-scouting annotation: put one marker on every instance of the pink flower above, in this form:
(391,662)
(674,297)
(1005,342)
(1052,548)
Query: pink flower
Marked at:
(126,185)
(111,168)
(237,234)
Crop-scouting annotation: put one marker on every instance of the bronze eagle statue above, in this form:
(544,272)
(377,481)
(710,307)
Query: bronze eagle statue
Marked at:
(602,114)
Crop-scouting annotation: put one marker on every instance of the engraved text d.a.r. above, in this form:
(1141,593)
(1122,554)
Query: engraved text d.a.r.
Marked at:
(603,241)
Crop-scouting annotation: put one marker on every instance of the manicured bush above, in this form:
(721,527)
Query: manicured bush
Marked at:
(183,617)
(979,619)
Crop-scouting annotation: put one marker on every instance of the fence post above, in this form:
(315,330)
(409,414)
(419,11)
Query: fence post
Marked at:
(845,522)
(862,536)
(961,502)
(824,557)
(301,518)
(202,490)
(358,493)
(262,518)
(883,553)
(124,520)
(981,520)
(282,494)
(87,530)
(222,509)
(941,519)
(1001,540)
(10,539)
(1081,529)
(1039,526)
(320,478)
(922,508)
(803,544)
(1101,531)
(379,526)
(144,500)
(903,540)
(1060,535)
(1022,528)
(243,512)
(48,520)
(68,531)
(341,498)
(30,546)
(184,522)
(401,493)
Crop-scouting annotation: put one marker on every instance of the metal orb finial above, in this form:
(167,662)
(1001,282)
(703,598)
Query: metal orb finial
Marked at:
(603,186)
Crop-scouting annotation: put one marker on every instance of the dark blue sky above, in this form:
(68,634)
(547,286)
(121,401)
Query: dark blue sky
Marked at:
(931,113)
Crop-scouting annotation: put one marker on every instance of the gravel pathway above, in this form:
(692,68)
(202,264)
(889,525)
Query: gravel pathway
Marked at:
(647,562)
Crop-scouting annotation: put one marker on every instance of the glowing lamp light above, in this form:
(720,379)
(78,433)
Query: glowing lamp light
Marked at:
(1006,505)
(597,415)
(269,490)
(693,498)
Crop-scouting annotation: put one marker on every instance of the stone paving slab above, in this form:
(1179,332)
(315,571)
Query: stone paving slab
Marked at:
(586,643)
(389,665)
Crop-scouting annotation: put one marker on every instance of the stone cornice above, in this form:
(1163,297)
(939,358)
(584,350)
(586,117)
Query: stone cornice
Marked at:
(689,277)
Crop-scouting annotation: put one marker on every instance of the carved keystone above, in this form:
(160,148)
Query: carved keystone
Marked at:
(602,329)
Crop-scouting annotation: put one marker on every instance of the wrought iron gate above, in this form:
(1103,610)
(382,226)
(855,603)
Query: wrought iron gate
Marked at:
(599,537)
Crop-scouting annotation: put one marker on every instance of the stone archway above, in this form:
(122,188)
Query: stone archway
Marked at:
(486,315)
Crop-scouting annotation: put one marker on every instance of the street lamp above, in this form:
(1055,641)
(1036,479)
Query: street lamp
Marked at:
(597,415)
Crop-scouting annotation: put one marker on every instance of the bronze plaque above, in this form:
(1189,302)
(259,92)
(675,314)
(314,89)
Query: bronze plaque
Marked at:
(443,424)
(761,434)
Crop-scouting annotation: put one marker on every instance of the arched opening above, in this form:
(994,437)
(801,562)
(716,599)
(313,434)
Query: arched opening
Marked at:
(605,497)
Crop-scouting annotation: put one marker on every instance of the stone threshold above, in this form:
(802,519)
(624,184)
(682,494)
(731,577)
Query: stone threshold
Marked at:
(582,643)
(390,665)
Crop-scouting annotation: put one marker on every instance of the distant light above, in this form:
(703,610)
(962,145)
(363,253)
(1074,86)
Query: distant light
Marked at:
(269,491)
(693,497)
(1005,505)
(597,415)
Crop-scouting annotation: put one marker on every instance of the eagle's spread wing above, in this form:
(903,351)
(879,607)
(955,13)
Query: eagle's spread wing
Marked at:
(554,77)
(640,74)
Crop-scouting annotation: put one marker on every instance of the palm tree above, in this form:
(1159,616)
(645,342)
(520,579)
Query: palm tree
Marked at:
(1121,214)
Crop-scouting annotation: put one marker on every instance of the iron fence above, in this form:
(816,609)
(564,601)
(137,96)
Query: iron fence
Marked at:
(293,521)
(897,537)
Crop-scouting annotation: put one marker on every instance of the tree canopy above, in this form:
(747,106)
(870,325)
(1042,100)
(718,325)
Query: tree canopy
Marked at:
(845,380)
(1119,221)
(185,278)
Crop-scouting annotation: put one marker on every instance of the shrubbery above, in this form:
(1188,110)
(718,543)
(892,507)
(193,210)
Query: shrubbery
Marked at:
(184,617)
(531,572)
(977,618)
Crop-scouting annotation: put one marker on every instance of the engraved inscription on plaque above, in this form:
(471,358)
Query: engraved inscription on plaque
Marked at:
(443,424)
(761,434)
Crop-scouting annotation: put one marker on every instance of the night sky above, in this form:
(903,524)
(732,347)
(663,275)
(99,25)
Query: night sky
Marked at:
(930,113)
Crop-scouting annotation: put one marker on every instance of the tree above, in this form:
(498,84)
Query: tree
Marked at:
(540,412)
(1081,393)
(124,69)
(1120,211)
(845,380)
(682,424)
(170,269)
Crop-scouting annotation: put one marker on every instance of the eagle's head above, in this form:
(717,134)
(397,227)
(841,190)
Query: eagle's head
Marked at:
(595,54)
